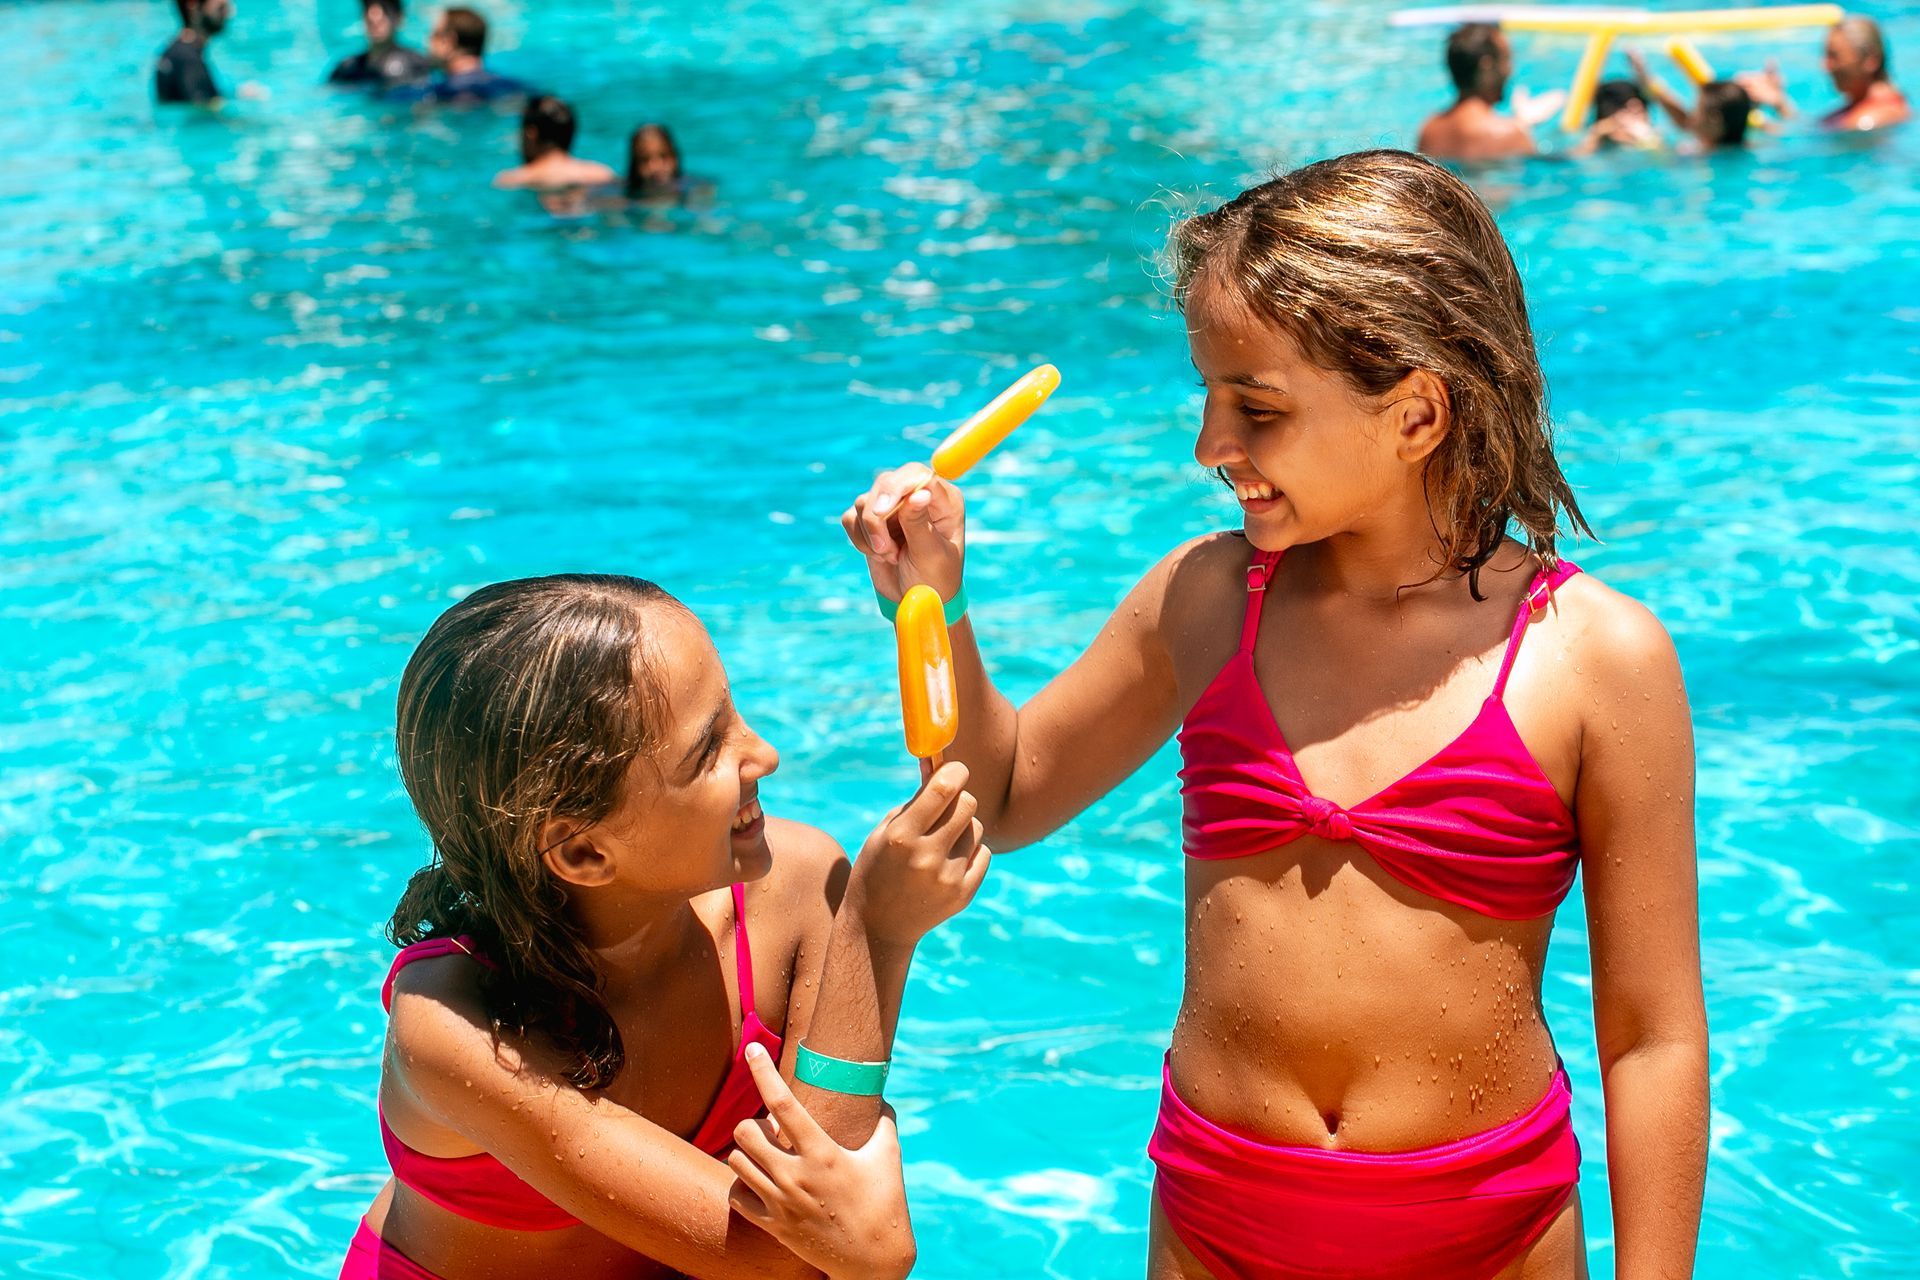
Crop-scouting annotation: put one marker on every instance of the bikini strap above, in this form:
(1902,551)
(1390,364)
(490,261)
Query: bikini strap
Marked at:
(1259,571)
(742,952)
(426,949)
(1539,596)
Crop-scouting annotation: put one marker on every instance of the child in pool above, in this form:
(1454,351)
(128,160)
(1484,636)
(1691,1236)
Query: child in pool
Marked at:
(1361,1082)
(610,941)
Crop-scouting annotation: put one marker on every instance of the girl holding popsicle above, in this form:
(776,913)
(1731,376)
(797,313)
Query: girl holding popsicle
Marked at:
(611,948)
(1405,722)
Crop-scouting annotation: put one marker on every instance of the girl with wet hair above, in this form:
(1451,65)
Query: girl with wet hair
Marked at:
(611,948)
(1405,723)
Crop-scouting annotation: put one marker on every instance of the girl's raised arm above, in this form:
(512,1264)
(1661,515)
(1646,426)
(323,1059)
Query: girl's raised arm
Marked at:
(1033,767)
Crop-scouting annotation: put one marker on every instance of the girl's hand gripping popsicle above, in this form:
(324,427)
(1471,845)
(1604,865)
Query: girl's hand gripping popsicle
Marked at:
(929,702)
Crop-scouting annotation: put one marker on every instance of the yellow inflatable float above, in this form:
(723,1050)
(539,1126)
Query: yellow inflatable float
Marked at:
(1602,26)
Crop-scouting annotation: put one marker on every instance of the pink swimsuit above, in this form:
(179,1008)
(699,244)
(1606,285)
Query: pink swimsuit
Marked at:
(1477,825)
(478,1187)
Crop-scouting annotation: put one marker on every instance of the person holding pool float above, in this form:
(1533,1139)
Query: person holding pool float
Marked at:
(610,949)
(1403,730)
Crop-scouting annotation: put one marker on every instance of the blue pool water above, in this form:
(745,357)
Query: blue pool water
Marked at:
(278,386)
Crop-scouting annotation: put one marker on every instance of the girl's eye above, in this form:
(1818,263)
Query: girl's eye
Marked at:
(1258,414)
(712,753)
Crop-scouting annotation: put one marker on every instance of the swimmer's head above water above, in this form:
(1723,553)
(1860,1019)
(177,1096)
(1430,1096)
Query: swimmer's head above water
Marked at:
(1723,113)
(459,35)
(1856,56)
(208,17)
(1362,335)
(382,19)
(563,738)
(1480,61)
(546,126)
(653,162)
(1612,97)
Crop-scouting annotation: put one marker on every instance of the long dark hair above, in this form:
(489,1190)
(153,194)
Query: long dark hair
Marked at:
(1382,262)
(527,701)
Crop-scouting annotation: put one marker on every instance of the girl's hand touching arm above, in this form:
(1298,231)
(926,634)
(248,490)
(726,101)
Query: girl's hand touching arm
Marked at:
(843,1211)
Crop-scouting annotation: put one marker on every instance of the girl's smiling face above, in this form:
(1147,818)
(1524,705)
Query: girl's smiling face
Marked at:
(689,818)
(1307,455)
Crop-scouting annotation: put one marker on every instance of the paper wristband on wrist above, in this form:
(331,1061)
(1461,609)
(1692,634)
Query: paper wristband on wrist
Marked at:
(953,609)
(837,1075)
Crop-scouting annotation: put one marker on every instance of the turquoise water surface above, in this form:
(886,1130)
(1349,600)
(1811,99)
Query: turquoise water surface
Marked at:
(277,386)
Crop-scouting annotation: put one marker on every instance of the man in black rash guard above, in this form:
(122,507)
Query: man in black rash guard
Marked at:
(182,75)
(385,62)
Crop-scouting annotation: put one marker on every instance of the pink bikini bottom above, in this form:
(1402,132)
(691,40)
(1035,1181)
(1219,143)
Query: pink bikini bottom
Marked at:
(371,1258)
(1251,1210)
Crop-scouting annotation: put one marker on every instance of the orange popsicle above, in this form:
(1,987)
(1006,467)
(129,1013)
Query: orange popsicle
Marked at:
(979,434)
(929,703)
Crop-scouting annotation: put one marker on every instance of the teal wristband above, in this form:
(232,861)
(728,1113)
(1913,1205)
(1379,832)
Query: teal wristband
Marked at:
(837,1075)
(954,609)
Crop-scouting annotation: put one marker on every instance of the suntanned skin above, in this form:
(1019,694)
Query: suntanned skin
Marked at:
(648,889)
(1472,128)
(1326,1004)
(556,171)
(1872,102)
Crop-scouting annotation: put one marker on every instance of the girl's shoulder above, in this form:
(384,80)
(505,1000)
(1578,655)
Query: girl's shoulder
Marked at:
(807,862)
(1202,569)
(797,899)
(1602,622)
(1614,648)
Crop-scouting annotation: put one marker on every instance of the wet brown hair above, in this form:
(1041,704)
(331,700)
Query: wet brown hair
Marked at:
(1380,263)
(527,701)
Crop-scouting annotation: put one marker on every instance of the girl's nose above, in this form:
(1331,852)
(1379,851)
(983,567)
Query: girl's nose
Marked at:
(759,759)
(1219,443)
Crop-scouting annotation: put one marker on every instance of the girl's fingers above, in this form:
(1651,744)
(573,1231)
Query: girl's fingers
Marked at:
(977,866)
(924,541)
(936,796)
(954,829)
(850,523)
(752,1192)
(759,1146)
(797,1126)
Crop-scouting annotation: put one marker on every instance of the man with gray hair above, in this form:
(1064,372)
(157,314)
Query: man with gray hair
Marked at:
(1857,63)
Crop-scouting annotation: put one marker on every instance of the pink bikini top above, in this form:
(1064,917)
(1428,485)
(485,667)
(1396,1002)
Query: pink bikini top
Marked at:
(480,1188)
(1478,825)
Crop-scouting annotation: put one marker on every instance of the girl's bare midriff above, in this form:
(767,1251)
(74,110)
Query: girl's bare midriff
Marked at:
(1327,1005)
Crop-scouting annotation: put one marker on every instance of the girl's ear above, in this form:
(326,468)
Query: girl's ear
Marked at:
(1421,413)
(573,855)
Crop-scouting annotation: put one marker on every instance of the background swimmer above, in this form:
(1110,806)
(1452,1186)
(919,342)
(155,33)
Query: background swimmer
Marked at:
(385,62)
(1620,119)
(1480,63)
(459,45)
(183,74)
(547,128)
(1857,63)
(653,164)
(1719,117)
